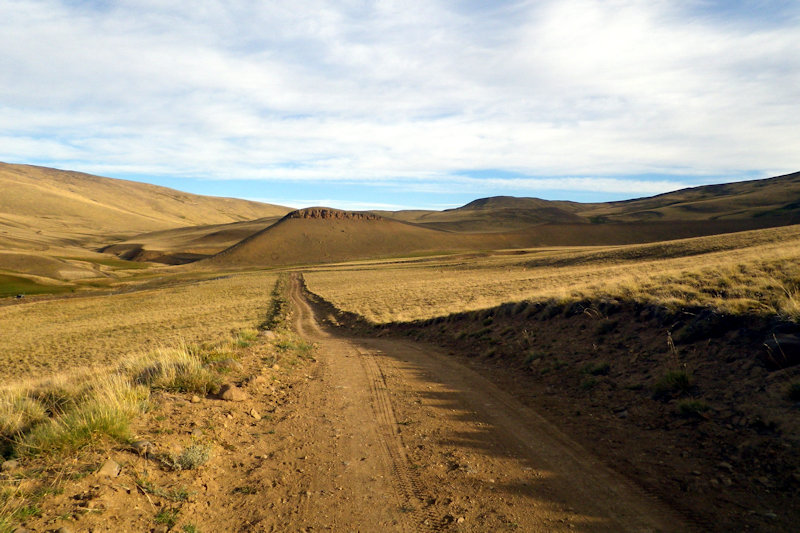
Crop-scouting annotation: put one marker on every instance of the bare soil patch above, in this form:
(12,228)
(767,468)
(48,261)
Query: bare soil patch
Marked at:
(689,404)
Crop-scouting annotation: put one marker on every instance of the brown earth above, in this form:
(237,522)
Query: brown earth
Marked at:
(184,245)
(723,450)
(322,235)
(376,435)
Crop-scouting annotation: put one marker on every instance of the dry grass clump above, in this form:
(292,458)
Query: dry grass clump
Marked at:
(62,414)
(176,370)
(192,457)
(103,412)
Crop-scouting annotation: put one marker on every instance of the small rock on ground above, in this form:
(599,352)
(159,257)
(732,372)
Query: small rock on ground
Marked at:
(142,447)
(232,393)
(110,468)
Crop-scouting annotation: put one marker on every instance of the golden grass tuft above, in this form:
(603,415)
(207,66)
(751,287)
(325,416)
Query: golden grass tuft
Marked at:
(63,414)
(176,370)
(105,413)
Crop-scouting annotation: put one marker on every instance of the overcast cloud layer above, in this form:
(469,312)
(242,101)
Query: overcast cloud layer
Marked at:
(607,98)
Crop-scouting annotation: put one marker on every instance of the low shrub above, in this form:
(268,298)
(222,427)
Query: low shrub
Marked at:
(692,408)
(530,358)
(673,382)
(168,517)
(599,368)
(176,370)
(191,458)
(606,326)
(104,410)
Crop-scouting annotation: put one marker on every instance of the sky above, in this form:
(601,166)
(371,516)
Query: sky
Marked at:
(404,104)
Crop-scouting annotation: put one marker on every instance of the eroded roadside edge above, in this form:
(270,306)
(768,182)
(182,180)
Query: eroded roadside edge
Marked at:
(689,404)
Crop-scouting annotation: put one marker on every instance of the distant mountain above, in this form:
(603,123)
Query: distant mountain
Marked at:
(495,214)
(755,203)
(42,207)
(321,235)
(772,198)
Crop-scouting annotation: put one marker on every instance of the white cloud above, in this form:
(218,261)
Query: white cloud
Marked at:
(420,91)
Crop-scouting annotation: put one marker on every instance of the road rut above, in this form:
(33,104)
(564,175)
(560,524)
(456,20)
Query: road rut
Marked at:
(397,436)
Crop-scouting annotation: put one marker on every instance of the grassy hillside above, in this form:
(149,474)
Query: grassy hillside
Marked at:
(42,207)
(760,203)
(181,245)
(322,235)
(496,214)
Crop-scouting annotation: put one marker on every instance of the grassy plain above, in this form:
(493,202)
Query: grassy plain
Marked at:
(749,272)
(61,427)
(53,336)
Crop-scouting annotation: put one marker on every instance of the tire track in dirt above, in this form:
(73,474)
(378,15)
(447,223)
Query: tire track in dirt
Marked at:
(479,460)
(408,483)
(404,480)
(357,403)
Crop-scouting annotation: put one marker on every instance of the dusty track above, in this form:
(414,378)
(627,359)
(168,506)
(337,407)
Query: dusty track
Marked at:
(395,436)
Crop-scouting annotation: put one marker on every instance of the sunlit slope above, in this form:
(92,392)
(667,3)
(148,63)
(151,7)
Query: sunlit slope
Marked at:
(322,235)
(752,272)
(756,203)
(496,214)
(181,245)
(40,207)
(772,198)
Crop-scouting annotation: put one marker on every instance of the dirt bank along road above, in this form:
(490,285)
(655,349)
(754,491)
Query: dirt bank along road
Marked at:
(396,436)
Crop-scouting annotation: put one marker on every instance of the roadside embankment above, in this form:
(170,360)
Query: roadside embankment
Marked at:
(698,407)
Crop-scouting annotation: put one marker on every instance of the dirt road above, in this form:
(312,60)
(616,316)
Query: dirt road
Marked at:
(396,436)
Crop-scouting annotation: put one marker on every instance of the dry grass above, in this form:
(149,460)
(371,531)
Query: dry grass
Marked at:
(46,207)
(70,411)
(750,272)
(53,420)
(54,336)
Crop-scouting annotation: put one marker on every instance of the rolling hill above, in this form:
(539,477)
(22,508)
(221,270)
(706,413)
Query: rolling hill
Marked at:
(321,235)
(775,198)
(182,245)
(756,203)
(495,214)
(42,207)
(56,213)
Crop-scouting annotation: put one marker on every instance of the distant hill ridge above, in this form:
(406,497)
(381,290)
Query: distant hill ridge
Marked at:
(321,235)
(44,207)
(512,202)
(327,213)
(776,201)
